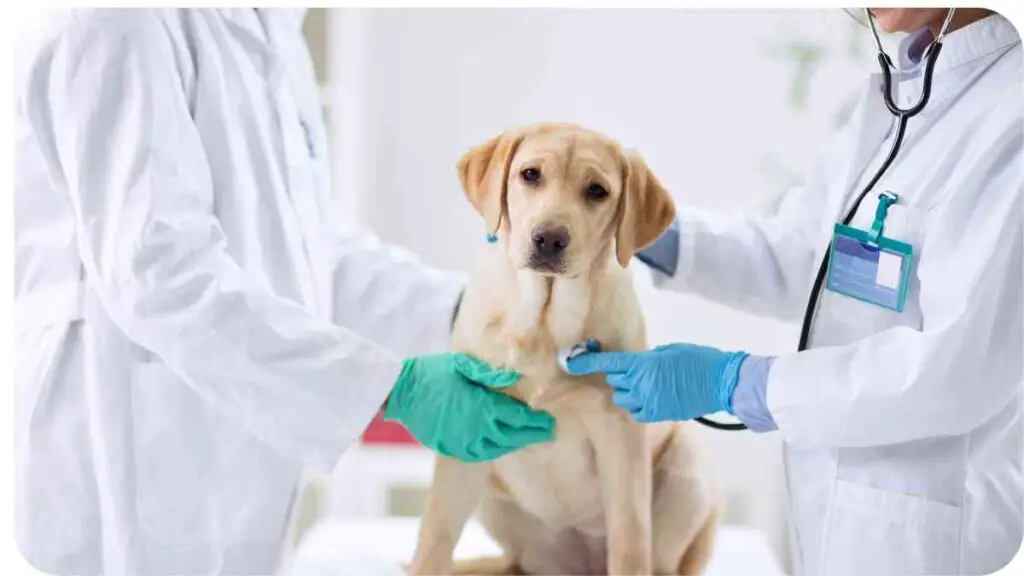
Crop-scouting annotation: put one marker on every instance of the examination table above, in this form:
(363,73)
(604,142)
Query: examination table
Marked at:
(378,547)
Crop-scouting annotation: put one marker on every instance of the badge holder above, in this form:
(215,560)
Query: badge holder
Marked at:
(865,265)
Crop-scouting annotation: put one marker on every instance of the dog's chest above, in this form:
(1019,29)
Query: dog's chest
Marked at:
(557,482)
(544,318)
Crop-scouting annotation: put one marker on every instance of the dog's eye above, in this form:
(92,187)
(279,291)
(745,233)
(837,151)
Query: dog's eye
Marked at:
(530,175)
(596,192)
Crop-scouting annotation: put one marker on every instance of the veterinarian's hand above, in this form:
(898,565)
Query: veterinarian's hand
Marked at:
(445,401)
(673,382)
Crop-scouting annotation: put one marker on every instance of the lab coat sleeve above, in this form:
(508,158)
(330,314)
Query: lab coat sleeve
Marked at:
(749,398)
(390,296)
(964,365)
(108,98)
(758,264)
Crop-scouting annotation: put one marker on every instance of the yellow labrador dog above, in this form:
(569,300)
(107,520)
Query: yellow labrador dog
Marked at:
(608,496)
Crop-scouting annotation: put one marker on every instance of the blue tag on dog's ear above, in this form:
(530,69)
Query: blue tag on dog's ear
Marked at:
(492,238)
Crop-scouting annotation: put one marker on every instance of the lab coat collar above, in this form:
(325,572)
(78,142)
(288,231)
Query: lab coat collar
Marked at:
(976,40)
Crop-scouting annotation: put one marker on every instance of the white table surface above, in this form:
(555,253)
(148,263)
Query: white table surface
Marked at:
(378,546)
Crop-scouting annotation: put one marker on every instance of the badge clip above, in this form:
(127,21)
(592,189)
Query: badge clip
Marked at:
(885,199)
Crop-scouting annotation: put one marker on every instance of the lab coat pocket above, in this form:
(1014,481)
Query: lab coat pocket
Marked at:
(878,532)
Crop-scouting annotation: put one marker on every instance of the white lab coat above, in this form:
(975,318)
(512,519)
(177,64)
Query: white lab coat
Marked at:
(192,326)
(903,431)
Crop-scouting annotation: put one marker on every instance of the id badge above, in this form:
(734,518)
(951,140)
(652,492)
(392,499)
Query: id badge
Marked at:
(874,272)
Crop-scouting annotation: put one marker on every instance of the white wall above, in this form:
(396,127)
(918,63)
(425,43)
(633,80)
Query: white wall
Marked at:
(704,96)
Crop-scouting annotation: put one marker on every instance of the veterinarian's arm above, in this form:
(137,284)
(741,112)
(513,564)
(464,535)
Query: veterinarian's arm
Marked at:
(962,366)
(759,264)
(749,398)
(387,294)
(153,251)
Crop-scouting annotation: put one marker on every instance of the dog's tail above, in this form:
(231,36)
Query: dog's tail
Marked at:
(486,566)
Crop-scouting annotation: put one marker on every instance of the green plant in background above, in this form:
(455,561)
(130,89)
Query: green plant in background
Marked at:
(807,54)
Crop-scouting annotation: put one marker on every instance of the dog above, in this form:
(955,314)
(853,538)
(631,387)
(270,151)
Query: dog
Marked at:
(567,208)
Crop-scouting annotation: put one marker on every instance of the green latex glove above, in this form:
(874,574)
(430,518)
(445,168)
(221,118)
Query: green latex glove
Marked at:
(445,402)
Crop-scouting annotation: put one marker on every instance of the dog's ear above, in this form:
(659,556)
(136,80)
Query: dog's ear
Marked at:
(645,208)
(483,172)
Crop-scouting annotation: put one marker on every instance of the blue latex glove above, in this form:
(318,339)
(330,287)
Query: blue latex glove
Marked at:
(672,382)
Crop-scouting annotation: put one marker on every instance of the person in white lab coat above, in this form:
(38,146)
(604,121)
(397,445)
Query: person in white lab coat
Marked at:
(192,325)
(902,429)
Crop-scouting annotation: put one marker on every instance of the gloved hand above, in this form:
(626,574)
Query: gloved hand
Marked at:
(445,402)
(672,382)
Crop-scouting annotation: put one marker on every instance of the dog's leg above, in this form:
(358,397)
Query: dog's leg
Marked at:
(696,558)
(624,467)
(685,523)
(685,513)
(454,495)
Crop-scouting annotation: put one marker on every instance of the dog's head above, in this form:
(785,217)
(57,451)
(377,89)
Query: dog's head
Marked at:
(558,194)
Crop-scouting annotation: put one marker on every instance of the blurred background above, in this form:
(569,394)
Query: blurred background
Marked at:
(728,107)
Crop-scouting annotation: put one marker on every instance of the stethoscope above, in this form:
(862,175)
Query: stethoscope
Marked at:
(902,116)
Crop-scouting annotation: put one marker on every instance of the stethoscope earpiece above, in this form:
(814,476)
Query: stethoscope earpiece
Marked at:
(931,54)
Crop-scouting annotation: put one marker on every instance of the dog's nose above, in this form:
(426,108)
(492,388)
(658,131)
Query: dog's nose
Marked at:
(550,241)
